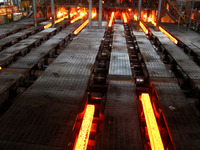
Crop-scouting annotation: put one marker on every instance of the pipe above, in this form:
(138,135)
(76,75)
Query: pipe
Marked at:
(100,14)
(191,15)
(52,13)
(139,14)
(90,14)
(158,16)
(35,13)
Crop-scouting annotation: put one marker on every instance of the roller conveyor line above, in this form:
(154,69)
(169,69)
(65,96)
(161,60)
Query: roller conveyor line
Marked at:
(7,55)
(20,70)
(188,37)
(155,67)
(46,112)
(181,116)
(14,38)
(120,127)
(13,27)
(191,69)
(119,61)
(31,59)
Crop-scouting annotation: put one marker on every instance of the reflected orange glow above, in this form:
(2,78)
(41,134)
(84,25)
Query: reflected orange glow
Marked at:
(111,19)
(84,132)
(153,131)
(124,17)
(83,24)
(144,28)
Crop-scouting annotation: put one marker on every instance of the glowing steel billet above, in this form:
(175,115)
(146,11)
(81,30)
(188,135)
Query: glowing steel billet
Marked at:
(48,25)
(153,22)
(83,25)
(153,131)
(77,18)
(124,17)
(166,33)
(57,21)
(135,17)
(61,19)
(144,28)
(111,19)
(84,133)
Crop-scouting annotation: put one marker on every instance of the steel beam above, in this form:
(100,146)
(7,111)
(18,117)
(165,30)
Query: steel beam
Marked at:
(158,15)
(100,14)
(139,14)
(34,13)
(90,14)
(191,15)
(53,12)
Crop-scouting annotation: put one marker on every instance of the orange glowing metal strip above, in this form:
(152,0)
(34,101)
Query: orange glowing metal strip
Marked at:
(48,25)
(83,25)
(168,35)
(124,17)
(153,131)
(77,18)
(59,20)
(144,28)
(135,17)
(84,133)
(111,19)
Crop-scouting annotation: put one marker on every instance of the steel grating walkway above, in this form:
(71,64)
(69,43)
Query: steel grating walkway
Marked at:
(121,126)
(181,116)
(43,116)
(155,67)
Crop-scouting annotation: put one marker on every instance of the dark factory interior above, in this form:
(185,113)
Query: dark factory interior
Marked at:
(99,74)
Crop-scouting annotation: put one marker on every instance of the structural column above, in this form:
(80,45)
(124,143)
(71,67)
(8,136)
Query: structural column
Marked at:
(158,15)
(100,14)
(69,13)
(53,12)
(139,14)
(90,14)
(191,15)
(34,13)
